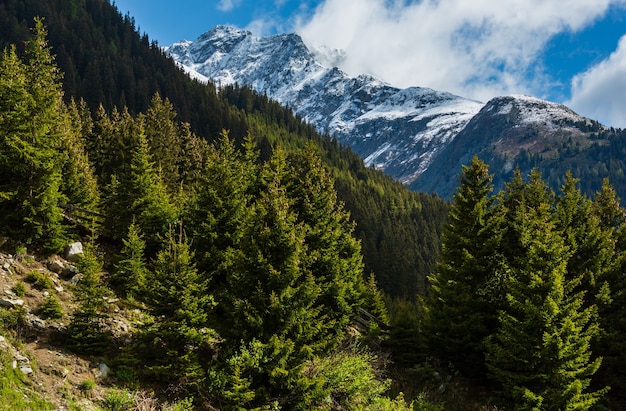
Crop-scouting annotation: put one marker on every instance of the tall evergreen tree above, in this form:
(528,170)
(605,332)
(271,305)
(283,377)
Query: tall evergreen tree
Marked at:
(31,139)
(177,297)
(517,192)
(269,303)
(131,272)
(219,206)
(591,244)
(80,184)
(459,311)
(162,135)
(541,354)
(86,331)
(141,195)
(334,256)
(612,341)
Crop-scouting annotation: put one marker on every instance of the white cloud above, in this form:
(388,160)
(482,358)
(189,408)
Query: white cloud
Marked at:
(600,92)
(227,5)
(477,49)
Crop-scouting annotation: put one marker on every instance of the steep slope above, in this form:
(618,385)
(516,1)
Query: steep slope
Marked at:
(419,136)
(513,131)
(397,131)
(89,33)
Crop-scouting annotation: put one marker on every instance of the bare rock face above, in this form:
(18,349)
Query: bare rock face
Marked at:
(56,265)
(11,303)
(74,251)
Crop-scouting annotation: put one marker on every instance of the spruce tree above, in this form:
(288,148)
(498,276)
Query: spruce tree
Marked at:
(219,206)
(86,332)
(80,183)
(517,192)
(162,135)
(541,354)
(592,245)
(612,341)
(31,137)
(460,313)
(177,297)
(334,256)
(141,195)
(268,304)
(131,272)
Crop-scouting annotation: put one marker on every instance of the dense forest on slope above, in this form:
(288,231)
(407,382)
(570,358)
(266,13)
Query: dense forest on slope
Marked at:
(106,62)
(245,275)
(243,270)
(529,291)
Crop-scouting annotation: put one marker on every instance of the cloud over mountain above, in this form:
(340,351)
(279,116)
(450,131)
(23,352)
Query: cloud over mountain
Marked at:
(477,49)
(600,91)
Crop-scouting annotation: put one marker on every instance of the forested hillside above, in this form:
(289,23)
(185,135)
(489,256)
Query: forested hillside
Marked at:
(529,291)
(246,281)
(518,132)
(107,63)
(264,267)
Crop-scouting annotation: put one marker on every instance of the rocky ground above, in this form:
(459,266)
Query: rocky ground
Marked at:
(35,346)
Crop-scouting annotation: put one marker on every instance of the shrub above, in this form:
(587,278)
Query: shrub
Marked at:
(50,308)
(39,280)
(87,385)
(12,319)
(19,289)
(125,374)
(118,400)
(181,405)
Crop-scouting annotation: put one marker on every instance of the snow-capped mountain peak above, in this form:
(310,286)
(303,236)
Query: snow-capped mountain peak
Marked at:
(399,131)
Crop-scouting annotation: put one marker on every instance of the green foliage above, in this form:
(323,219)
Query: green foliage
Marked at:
(30,136)
(541,353)
(50,308)
(460,309)
(39,280)
(164,139)
(181,339)
(334,255)
(131,271)
(15,390)
(80,183)
(406,342)
(118,400)
(86,331)
(421,403)
(347,381)
(185,404)
(141,196)
(13,319)
(87,385)
(19,289)
(521,280)
(269,303)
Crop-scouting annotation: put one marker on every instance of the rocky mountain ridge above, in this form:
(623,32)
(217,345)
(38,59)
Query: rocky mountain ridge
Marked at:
(397,130)
(402,132)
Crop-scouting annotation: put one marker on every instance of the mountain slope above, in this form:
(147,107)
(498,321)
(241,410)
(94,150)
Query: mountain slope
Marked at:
(514,131)
(397,131)
(92,33)
(419,136)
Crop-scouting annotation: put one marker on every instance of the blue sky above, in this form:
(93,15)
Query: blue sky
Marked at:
(568,51)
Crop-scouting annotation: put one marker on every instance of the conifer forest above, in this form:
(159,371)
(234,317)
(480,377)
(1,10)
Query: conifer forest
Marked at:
(259,265)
